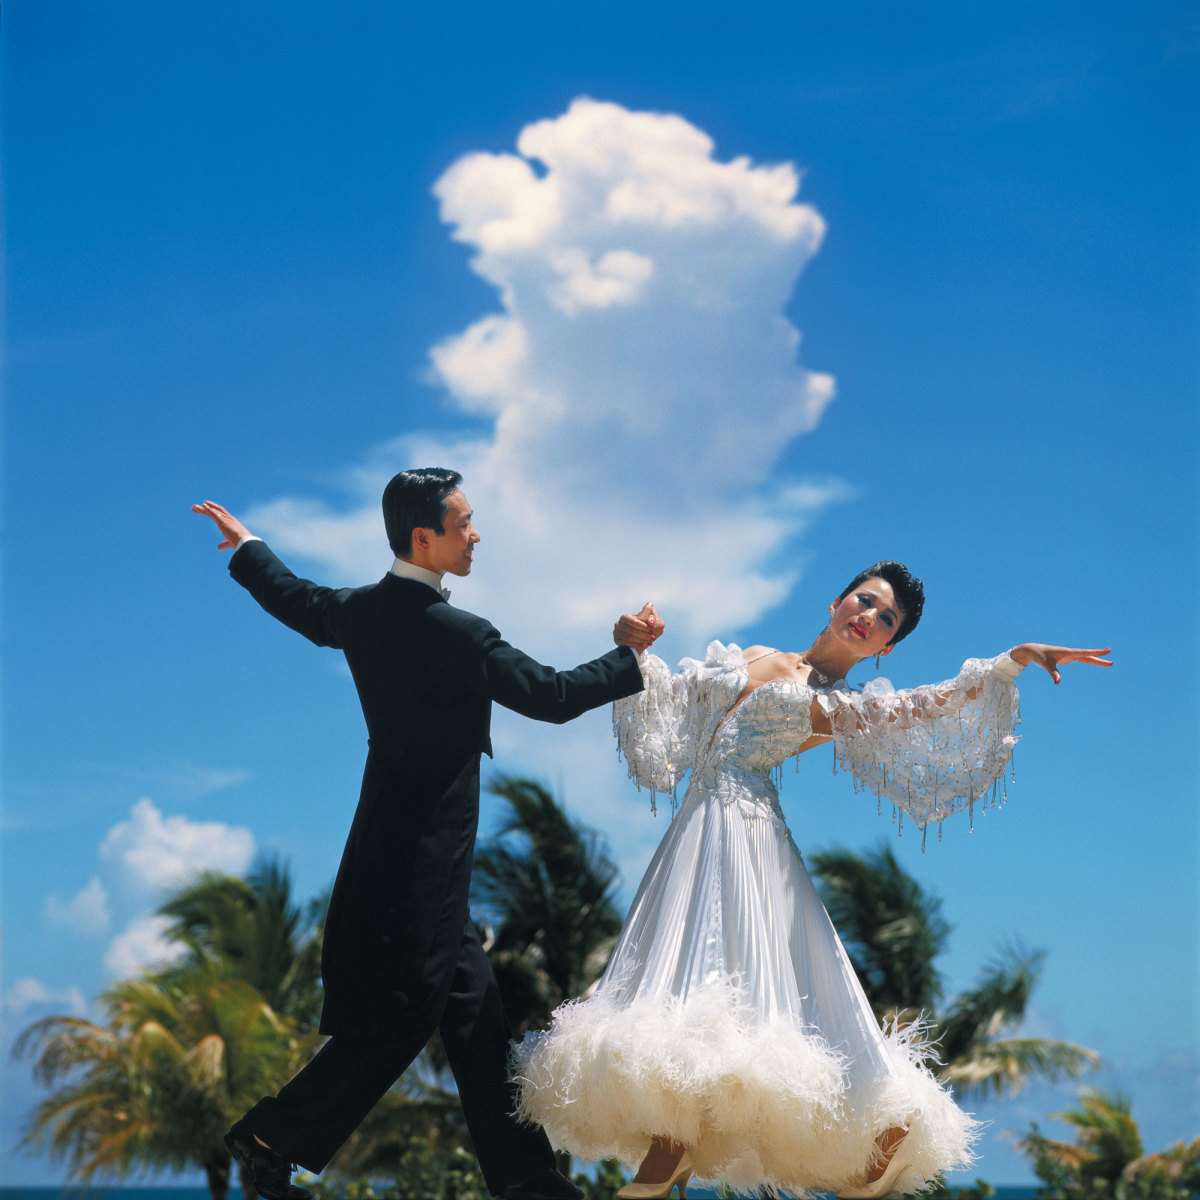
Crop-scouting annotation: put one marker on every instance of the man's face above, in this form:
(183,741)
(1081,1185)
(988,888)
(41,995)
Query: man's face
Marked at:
(450,551)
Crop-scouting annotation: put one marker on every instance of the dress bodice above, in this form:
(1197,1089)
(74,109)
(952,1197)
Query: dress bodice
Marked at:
(768,726)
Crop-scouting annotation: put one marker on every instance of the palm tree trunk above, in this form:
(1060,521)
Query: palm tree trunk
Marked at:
(248,1192)
(216,1170)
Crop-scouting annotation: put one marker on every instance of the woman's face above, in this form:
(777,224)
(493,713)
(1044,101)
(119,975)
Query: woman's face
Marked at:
(866,618)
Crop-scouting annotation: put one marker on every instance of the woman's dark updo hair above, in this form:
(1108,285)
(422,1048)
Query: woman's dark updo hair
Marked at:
(908,589)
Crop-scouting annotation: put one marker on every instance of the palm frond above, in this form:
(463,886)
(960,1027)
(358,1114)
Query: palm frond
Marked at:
(546,888)
(1001,1067)
(891,927)
(254,930)
(996,1003)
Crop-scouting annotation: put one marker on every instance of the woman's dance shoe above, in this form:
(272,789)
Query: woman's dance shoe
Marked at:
(884,1184)
(657,1191)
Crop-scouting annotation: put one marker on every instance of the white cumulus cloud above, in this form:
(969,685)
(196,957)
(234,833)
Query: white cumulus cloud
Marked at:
(30,993)
(142,945)
(160,852)
(86,912)
(641,376)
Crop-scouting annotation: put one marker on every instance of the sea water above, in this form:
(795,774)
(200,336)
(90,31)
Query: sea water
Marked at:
(101,1192)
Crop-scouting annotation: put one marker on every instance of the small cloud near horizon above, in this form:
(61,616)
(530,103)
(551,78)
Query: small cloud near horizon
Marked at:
(154,852)
(29,993)
(86,912)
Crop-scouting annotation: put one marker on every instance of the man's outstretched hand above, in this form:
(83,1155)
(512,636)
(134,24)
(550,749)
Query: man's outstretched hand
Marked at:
(638,630)
(231,528)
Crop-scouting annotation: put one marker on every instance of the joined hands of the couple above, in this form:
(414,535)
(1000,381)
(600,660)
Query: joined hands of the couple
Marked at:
(638,630)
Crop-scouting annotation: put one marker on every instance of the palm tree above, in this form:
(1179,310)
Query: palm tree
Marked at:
(188,1048)
(1106,1141)
(255,931)
(970,1036)
(893,931)
(1105,1161)
(180,1056)
(1174,1172)
(545,890)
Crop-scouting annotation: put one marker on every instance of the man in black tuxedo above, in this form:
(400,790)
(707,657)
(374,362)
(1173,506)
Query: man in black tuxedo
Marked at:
(401,957)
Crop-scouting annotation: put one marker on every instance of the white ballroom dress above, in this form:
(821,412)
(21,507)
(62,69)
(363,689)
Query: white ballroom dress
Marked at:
(729,1018)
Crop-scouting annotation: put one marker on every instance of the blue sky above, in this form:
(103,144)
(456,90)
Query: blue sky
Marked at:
(712,305)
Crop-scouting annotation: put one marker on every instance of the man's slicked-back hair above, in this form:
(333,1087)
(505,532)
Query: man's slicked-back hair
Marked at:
(907,588)
(416,500)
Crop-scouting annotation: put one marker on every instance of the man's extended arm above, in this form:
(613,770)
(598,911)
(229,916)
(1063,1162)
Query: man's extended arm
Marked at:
(299,603)
(470,650)
(635,630)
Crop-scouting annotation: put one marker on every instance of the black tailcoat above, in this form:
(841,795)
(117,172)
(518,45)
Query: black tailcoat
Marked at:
(426,675)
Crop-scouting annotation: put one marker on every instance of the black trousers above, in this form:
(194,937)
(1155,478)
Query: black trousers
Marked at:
(326,1101)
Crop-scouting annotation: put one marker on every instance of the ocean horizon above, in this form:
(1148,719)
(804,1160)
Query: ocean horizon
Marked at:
(110,1192)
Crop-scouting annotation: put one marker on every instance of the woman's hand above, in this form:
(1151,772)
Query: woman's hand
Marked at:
(1050,658)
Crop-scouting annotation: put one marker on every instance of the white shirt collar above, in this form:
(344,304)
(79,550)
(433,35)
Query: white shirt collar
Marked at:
(407,570)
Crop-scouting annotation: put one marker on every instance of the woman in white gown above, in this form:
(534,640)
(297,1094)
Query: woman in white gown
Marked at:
(729,1036)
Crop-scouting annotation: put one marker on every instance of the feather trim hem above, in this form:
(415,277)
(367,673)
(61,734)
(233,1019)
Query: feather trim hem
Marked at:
(757,1103)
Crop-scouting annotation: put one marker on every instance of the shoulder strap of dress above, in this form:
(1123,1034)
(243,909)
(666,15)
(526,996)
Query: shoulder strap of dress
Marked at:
(764,654)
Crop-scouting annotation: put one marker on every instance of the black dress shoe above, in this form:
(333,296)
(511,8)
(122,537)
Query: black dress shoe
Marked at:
(270,1173)
(545,1185)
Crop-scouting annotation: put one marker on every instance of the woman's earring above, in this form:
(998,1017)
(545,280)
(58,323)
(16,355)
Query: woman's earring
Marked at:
(877,662)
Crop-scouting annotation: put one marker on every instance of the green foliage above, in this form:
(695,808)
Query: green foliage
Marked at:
(253,930)
(725,1192)
(1171,1174)
(421,1173)
(979,1190)
(608,1179)
(544,888)
(970,1035)
(180,1056)
(893,931)
(183,1051)
(1105,1161)
(412,1110)
(424,1172)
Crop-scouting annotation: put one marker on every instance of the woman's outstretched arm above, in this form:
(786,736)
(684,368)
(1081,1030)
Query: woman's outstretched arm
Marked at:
(931,768)
(1050,658)
(933,702)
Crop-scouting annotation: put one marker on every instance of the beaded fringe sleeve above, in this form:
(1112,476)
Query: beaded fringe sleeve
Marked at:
(930,751)
(934,750)
(650,727)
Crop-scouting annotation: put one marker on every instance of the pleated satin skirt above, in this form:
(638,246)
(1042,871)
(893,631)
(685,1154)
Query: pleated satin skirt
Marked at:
(731,1020)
